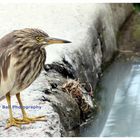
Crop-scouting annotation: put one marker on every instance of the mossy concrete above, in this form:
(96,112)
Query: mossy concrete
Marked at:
(129,37)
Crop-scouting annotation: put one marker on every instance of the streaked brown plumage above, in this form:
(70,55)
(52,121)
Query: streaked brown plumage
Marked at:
(22,56)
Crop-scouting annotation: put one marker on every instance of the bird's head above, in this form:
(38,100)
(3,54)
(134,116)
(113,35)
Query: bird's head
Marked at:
(36,37)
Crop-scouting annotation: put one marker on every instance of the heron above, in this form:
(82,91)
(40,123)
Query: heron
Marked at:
(22,57)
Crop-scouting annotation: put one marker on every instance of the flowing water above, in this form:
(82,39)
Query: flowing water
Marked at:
(119,113)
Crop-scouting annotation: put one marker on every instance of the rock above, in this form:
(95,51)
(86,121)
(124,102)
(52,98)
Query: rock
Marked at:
(64,68)
(67,109)
(65,105)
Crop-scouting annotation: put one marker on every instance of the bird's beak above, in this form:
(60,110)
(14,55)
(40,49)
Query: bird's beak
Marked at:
(51,40)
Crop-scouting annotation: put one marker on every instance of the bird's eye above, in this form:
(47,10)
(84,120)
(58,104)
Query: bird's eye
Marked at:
(39,38)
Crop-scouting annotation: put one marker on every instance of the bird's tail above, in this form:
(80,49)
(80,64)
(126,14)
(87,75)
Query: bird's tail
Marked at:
(1,98)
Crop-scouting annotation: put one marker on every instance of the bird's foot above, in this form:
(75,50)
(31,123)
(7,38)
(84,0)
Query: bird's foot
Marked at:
(28,120)
(13,122)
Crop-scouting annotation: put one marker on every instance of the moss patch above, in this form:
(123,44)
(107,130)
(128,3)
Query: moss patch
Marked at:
(137,6)
(136,31)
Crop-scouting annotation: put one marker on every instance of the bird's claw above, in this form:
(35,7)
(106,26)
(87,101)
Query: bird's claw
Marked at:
(12,122)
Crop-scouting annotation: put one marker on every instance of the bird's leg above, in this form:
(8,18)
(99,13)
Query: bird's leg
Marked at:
(11,121)
(25,116)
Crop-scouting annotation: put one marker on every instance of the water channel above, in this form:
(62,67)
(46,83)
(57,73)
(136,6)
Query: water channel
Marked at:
(119,114)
